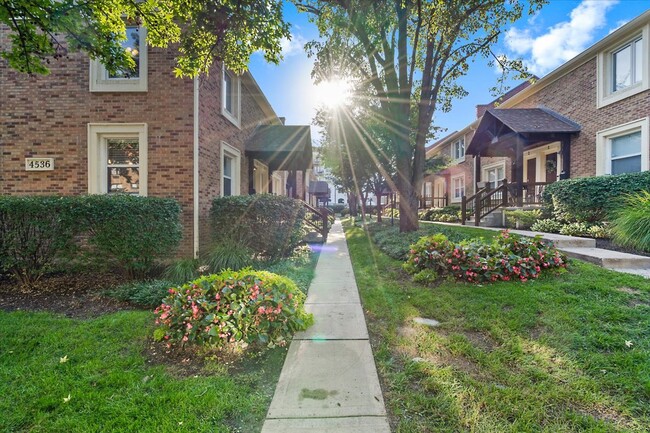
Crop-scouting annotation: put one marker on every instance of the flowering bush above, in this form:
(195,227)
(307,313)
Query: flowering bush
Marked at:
(505,258)
(233,307)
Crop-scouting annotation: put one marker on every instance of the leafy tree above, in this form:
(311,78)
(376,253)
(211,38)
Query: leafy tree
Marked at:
(410,53)
(203,30)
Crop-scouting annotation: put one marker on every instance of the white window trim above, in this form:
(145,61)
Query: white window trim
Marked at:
(99,82)
(234,118)
(453,197)
(455,160)
(603,150)
(486,168)
(540,167)
(605,94)
(97,135)
(261,169)
(228,150)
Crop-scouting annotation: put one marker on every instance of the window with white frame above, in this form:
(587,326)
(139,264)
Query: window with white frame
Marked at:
(230,170)
(457,188)
(132,80)
(231,97)
(117,158)
(494,174)
(623,69)
(458,149)
(623,149)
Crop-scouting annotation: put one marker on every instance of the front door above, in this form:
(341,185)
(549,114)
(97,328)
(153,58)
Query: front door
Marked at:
(440,191)
(531,178)
(551,167)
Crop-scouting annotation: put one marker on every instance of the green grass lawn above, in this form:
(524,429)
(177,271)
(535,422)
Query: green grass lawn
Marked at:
(111,382)
(548,355)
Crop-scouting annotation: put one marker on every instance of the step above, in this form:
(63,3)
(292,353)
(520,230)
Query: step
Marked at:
(560,241)
(609,259)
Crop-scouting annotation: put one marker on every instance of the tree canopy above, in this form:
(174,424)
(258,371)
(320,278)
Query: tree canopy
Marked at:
(410,53)
(204,31)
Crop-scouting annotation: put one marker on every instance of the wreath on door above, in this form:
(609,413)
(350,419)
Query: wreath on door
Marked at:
(551,166)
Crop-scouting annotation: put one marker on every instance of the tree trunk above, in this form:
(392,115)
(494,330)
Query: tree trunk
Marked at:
(352,204)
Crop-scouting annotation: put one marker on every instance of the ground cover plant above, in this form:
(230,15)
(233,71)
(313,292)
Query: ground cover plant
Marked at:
(506,257)
(562,353)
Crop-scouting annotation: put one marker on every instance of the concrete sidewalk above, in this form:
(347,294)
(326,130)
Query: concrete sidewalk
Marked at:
(329,382)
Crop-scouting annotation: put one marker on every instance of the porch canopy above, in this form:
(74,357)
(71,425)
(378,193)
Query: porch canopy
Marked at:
(510,132)
(281,147)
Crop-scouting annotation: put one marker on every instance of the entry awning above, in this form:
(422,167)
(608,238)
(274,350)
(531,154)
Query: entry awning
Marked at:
(319,188)
(281,147)
(500,129)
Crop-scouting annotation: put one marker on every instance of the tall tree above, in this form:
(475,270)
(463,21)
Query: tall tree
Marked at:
(204,31)
(411,53)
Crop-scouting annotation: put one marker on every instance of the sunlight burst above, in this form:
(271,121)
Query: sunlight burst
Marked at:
(333,93)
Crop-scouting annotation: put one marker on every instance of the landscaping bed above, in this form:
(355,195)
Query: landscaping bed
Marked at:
(566,352)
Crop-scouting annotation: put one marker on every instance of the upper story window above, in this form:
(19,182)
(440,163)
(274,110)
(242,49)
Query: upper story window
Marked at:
(132,80)
(231,97)
(624,68)
(627,65)
(458,150)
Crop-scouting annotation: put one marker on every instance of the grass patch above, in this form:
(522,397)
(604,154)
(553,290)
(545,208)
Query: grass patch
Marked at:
(548,355)
(110,383)
(115,379)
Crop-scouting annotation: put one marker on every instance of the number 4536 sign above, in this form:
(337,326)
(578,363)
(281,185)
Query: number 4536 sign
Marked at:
(39,164)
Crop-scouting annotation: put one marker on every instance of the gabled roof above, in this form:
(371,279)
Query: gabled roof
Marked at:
(527,120)
(281,147)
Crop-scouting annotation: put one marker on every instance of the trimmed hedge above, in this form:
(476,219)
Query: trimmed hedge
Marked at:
(592,199)
(270,225)
(36,232)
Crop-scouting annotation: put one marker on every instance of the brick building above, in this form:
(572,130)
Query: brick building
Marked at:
(590,116)
(81,130)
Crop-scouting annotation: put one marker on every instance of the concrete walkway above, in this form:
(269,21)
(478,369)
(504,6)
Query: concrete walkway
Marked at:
(329,382)
(585,249)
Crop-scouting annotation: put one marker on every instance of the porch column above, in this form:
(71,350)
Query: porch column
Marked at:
(566,158)
(251,176)
(477,171)
(518,169)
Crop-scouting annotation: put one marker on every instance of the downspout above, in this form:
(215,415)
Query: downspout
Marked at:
(195,204)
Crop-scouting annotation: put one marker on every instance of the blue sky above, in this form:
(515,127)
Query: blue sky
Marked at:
(560,31)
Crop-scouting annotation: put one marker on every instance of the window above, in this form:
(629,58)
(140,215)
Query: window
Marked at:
(623,149)
(626,64)
(623,68)
(230,95)
(134,80)
(458,150)
(117,158)
(457,188)
(230,166)
(493,175)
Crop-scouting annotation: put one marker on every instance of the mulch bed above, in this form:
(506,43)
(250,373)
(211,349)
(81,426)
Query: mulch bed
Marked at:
(78,295)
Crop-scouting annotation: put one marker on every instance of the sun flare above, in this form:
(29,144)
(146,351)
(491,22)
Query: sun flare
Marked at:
(333,93)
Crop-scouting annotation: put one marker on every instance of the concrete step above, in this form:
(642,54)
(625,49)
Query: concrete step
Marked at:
(560,241)
(609,259)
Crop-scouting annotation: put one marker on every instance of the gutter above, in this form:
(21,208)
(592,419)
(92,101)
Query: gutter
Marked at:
(195,204)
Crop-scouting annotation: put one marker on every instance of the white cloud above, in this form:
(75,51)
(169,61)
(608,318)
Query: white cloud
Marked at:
(293,46)
(562,41)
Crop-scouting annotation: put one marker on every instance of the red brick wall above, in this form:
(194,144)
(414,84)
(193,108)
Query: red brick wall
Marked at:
(47,116)
(574,96)
(215,128)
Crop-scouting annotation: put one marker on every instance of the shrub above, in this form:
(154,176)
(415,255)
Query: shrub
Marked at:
(144,293)
(270,225)
(631,222)
(506,257)
(228,254)
(34,233)
(575,229)
(388,211)
(182,270)
(133,232)
(591,199)
(522,219)
(345,212)
(337,207)
(546,225)
(233,307)
(450,214)
(599,231)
